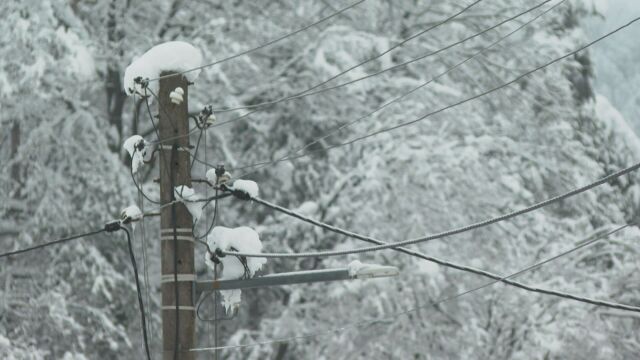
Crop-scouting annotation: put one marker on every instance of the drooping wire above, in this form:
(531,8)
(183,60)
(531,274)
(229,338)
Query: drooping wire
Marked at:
(174,155)
(395,316)
(391,68)
(262,46)
(50,243)
(422,239)
(110,227)
(143,234)
(423,256)
(140,302)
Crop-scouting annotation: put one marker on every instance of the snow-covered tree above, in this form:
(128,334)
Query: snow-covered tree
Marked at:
(64,117)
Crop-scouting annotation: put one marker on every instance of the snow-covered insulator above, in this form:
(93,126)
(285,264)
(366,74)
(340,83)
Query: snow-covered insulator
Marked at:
(213,178)
(136,146)
(176,96)
(209,120)
(206,117)
(129,214)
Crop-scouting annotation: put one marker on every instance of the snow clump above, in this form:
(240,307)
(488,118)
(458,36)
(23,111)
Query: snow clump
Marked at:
(137,149)
(246,186)
(187,196)
(169,56)
(131,213)
(241,239)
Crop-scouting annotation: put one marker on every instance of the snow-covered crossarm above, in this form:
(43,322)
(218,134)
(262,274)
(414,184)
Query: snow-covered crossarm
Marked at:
(169,56)
(300,277)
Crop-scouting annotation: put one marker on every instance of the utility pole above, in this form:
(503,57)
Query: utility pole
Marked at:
(177,245)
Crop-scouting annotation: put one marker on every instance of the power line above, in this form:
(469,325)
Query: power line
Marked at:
(306,92)
(377,56)
(423,256)
(397,66)
(475,96)
(440,235)
(50,243)
(389,103)
(143,234)
(396,315)
(268,43)
(140,302)
(109,227)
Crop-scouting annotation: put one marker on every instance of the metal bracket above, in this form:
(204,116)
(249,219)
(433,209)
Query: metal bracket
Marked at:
(296,277)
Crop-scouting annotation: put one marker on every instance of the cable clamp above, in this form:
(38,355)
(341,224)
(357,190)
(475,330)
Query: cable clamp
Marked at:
(242,195)
(170,147)
(112,226)
(170,278)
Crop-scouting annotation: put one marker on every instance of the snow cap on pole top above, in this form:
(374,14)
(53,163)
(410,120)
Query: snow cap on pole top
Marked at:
(169,56)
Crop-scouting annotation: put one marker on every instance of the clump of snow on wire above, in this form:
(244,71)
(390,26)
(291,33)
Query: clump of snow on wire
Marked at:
(241,239)
(189,198)
(131,213)
(246,186)
(169,56)
(136,146)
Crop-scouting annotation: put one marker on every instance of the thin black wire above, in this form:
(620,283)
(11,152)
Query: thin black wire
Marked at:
(143,233)
(133,263)
(138,187)
(334,146)
(397,66)
(50,243)
(195,152)
(288,156)
(377,56)
(268,43)
(440,235)
(140,302)
(438,261)
(384,130)
(174,151)
(395,316)
(213,220)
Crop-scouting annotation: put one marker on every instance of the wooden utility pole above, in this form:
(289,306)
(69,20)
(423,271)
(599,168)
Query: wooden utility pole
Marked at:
(177,243)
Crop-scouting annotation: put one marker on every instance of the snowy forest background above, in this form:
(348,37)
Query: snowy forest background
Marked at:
(64,117)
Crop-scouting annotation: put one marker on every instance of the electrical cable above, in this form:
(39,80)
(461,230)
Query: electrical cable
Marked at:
(440,235)
(379,55)
(394,67)
(140,302)
(288,156)
(174,155)
(268,43)
(110,227)
(363,137)
(50,243)
(438,261)
(396,315)
(143,235)
(135,183)
(518,78)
